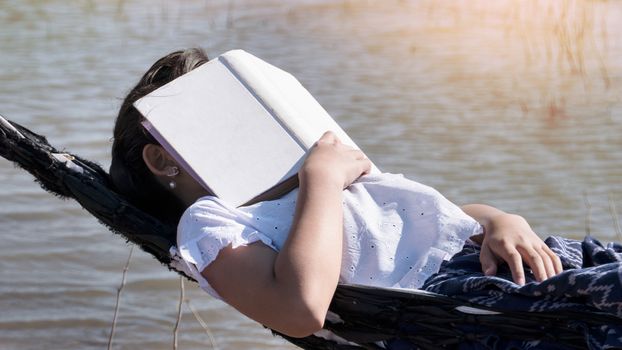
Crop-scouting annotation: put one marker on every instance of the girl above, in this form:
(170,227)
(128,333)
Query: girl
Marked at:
(279,262)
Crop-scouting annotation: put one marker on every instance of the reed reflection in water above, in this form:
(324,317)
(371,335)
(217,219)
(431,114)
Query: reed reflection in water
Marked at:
(512,103)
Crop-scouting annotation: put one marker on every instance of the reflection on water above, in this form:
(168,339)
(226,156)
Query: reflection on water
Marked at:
(512,103)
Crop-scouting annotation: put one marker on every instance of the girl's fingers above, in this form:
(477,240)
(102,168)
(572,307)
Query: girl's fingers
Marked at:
(534,260)
(488,261)
(548,263)
(515,262)
(329,137)
(366,165)
(557,263)
(543,262)
(357,154)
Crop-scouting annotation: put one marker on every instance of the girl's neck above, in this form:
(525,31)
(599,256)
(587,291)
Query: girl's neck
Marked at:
(187,189)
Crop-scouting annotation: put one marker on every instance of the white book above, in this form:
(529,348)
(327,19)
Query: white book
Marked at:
(240,126)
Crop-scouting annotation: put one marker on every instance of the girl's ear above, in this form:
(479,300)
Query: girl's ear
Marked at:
(157,159)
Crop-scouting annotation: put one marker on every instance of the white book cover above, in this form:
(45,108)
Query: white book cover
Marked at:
(237,124)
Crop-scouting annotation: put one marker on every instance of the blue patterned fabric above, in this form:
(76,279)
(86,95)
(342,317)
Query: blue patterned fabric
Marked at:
(591,280)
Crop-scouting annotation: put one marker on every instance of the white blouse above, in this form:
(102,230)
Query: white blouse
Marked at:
(396,232)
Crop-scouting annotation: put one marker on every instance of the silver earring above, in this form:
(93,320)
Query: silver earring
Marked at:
(172,172)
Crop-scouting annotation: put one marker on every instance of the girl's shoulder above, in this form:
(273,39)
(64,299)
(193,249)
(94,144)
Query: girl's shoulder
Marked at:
(209,225)
(206,216)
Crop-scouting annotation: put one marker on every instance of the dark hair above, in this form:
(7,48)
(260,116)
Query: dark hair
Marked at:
(128,171)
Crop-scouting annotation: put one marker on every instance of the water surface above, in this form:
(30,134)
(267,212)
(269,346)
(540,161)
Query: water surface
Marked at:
(516,104)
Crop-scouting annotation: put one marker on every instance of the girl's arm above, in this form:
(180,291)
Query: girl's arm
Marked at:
(509,238)
(290,291)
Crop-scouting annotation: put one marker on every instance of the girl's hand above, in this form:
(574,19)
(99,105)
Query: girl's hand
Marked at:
(509,238)
(331,162)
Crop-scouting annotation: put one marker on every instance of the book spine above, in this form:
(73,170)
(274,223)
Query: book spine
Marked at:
(288,116)
(269,98)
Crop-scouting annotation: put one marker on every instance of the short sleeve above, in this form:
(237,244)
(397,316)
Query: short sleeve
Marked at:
(210,225)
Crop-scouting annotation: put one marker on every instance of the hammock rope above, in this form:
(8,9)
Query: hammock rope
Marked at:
(59,173)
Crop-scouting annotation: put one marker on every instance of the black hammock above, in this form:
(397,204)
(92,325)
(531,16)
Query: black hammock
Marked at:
(359,316)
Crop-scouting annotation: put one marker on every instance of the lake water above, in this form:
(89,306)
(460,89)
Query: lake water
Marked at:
(517,104)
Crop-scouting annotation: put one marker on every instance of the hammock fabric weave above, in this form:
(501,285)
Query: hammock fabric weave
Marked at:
(359,318)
